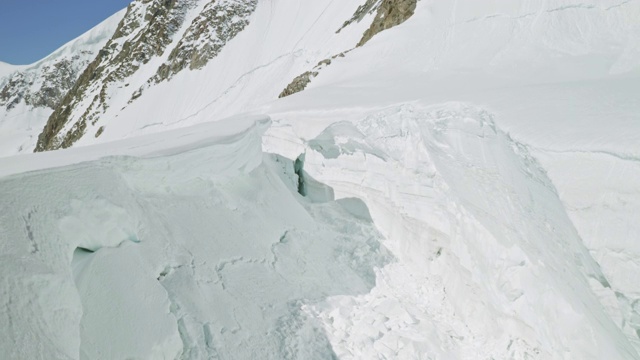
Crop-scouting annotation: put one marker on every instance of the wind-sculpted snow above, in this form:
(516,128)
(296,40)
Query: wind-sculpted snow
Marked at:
(489,264)
(191,251)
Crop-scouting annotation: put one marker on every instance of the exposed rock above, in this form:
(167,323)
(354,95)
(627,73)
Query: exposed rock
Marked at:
(13,91)
(368,7)
(390,13)
(298,84)
(148,30)
(219,22)
(43,86)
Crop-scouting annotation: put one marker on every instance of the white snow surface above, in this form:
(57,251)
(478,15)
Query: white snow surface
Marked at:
(6,68)
(471,184)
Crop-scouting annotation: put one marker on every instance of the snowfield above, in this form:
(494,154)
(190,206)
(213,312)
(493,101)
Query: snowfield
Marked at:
(464,186)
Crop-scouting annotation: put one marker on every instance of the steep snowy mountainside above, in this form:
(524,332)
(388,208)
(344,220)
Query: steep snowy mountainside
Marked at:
(200,43)
(283,37)
(155,40)
(29,93)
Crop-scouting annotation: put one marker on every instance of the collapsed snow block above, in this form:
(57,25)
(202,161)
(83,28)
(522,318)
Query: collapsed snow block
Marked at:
(98,223)
(356,207)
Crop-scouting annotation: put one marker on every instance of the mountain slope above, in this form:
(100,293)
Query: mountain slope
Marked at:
(29,93)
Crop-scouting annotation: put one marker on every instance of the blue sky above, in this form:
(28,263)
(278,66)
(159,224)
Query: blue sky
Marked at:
(32,29)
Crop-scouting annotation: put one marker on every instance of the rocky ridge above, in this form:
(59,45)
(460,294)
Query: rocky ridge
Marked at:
(219,22)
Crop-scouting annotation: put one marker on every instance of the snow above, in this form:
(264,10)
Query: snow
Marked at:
(92,40)
(470,192)
(6,69)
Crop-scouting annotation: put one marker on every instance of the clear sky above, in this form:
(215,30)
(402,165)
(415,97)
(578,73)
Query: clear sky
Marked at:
(32,29)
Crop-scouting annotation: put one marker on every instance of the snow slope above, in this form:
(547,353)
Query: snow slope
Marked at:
(489,261)
(484,158)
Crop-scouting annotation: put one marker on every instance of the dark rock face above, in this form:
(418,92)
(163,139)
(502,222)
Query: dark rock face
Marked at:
(44,86)
(301,81)
(368,7)
(58,79)
(390,13)
(298,84)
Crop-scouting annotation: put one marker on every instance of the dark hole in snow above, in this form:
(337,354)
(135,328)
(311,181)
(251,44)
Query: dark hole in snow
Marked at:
(308,186)
(84,250)
(298,166)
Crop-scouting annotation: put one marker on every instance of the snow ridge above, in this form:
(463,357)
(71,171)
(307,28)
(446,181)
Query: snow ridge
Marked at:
(468,190)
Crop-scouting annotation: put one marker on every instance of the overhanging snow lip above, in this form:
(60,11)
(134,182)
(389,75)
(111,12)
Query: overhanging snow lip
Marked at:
(167,143)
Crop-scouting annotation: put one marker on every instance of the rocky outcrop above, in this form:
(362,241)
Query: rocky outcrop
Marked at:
(368,7)
(209,32)
(13,91)
(301,81)
(45,85)
(390,13)
(298,84)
